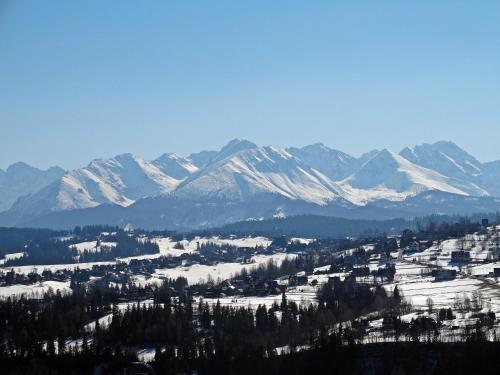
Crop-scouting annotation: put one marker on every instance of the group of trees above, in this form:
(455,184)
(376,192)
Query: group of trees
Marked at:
(442,230)
(27,324)
(182,333)
(53,250)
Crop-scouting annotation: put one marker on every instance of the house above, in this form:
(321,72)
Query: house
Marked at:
(360,271)
(496,272)
(414,247)
(460,256)
(484,224)
(282,281)
(299,279)
(334,281)
(387,272)
(487,319)
(444,274)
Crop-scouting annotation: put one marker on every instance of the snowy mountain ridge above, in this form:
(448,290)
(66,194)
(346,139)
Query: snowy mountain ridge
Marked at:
(243,172)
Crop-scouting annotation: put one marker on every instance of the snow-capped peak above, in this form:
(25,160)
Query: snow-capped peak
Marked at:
(390,176)
(446,158)
(334,164)
(119,180)
(258,170)
(175,166)
(233,147)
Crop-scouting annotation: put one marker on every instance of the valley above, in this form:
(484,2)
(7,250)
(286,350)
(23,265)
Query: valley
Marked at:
(440,282)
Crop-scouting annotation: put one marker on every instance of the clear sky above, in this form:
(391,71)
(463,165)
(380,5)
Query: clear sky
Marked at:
(92,78)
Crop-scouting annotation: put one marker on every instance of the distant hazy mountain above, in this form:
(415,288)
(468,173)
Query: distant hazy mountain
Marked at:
(490,178)
(441,203)
(243,181)
(21,179)
(202,158)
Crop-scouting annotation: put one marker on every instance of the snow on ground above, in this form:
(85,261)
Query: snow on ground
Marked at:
(146,354)
(305,241)
(484,269)
(302,296)
(407,269)
(105,321)
(34,290)
(71,266)
(443,293)
(168,246)
(11,256)
(322,269)
(416,286)
(323,278)
(198,272)
(142,281)
(52,267)
(92,246)
(282,350)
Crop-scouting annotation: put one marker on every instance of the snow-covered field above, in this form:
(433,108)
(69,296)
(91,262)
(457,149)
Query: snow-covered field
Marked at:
(443,293)
(166,249)
(198,273)
(11,257)
(52,267)
(106,320)
(168,246)
(302,296)
(34,290)
(92,246)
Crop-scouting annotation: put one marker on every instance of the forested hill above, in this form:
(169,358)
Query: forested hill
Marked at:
(315,226)
(332,227)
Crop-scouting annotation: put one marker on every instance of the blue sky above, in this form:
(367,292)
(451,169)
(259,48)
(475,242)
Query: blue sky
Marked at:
(92,78)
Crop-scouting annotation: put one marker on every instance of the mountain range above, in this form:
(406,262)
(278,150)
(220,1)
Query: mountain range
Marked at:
(244,181)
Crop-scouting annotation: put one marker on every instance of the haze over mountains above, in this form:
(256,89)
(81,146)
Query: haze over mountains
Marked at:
(243,181)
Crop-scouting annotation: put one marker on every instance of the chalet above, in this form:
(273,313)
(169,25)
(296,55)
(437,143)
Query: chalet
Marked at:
(334,280)
(282,281)
(299,279)
(414,247)
(444,274)
(360,271)
(484,224)
(387,272)
(246,249)
(494,254)
(389,322)
(460,256)
(226,284)
(487,319)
